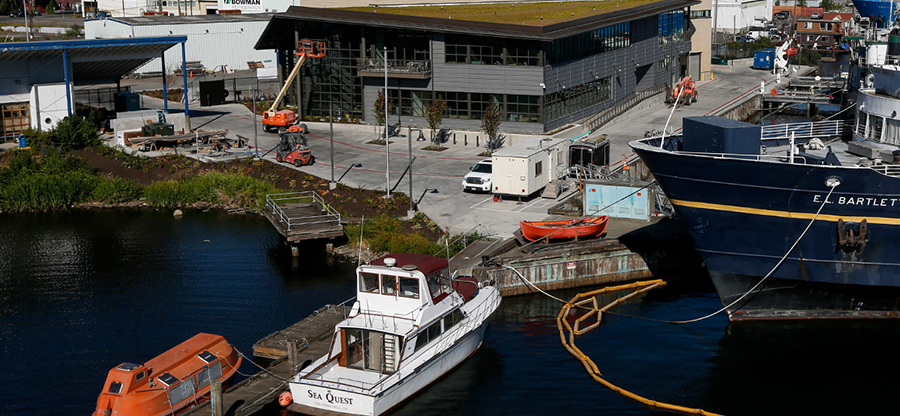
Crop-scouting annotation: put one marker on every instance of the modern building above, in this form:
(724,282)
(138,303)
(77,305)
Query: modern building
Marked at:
(543,74)
(213,41)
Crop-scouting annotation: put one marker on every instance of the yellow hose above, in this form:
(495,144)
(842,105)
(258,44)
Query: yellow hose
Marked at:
(589,300)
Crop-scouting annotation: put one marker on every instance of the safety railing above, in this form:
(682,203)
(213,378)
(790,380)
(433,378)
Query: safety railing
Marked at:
(278,203)
(819,129)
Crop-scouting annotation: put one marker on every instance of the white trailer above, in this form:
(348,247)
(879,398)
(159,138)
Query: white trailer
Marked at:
(529,165)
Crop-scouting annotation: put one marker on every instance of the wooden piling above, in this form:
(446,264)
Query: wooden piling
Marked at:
(292,356)
(215,394)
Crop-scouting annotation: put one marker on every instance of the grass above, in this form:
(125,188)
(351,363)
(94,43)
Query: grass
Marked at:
(528,14)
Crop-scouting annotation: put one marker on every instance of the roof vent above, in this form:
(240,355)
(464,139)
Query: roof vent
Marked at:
(127,366)
(409,267)
(390,261)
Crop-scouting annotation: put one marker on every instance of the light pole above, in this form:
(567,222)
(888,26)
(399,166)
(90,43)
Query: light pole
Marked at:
(331,185)
(412,211)
(255,128)
(387,146)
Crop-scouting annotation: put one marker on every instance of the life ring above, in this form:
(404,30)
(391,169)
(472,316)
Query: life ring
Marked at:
(774,92)
(285,399)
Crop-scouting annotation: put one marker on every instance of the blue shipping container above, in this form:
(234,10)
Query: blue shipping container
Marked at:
(764,58)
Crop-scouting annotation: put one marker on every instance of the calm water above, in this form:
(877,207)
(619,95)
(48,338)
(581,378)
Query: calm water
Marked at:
(82,292)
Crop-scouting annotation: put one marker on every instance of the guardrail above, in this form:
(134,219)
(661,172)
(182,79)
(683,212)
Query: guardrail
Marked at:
(820,129)
(277,202)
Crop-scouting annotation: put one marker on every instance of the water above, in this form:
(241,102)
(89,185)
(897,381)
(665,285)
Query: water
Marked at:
(81,292)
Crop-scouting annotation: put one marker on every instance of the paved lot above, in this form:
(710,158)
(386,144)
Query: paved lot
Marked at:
(437,176)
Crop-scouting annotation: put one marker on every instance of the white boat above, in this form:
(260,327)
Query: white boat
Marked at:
(410,325)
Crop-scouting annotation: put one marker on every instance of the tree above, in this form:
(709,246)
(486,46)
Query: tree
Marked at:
(378,109)
(490,123)
(435,115)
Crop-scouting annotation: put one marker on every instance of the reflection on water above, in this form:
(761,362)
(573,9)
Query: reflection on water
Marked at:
(82,292)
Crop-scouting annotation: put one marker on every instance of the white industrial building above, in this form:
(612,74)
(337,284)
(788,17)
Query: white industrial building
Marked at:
(137,8)
(215,41)
(737,15)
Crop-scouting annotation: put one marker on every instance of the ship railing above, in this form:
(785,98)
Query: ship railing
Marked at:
(279,204)
(889,170)
(818,129)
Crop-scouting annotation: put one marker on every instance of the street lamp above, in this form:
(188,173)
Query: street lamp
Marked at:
(332,185)
(355,165)
(387,146)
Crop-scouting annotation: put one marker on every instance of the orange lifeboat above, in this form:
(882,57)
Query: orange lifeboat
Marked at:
(559,230)
(171,382)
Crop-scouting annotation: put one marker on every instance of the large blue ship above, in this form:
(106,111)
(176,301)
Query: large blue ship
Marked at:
(804,231)
(879,11)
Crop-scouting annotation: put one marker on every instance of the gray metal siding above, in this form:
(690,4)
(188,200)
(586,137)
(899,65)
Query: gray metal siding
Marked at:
(491,79)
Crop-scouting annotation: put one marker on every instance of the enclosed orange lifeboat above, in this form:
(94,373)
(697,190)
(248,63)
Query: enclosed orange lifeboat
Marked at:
(171,382)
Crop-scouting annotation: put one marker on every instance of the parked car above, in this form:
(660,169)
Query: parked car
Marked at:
(815,15)
(783,15)
(479,177)
(743,39)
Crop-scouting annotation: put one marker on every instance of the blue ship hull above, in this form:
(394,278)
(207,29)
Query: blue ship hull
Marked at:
(744,215)
(880,10)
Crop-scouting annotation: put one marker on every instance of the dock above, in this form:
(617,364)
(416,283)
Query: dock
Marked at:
(302,216)
(252,394)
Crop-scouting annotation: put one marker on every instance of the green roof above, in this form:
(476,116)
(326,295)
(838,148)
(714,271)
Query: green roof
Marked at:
(525,13)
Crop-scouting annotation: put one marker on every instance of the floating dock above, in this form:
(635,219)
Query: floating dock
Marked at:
(252,394)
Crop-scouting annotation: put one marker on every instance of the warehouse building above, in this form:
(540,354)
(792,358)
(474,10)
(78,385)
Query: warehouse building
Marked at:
(544,74)
(213,41)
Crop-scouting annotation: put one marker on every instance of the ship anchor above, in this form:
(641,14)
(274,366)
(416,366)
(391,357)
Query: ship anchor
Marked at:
(852,238)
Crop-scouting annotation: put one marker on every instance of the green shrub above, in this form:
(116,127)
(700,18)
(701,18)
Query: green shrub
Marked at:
(116,190)
(214,188)
(74,132)
(43,191)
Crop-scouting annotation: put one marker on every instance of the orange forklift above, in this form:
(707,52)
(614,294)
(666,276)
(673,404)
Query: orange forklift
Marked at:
(685,91)
(273,119)
(293,148)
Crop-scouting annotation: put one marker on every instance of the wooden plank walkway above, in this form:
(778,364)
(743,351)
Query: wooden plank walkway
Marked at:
(252,394)
(317,327)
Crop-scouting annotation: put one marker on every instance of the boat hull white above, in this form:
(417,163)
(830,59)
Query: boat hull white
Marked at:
(313,399)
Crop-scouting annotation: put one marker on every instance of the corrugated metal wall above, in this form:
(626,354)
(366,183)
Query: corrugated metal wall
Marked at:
(213,44)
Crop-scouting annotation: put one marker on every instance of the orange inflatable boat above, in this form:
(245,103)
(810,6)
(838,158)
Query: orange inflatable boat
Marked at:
(171,382)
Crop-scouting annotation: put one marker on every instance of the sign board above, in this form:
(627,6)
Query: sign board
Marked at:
(256,6)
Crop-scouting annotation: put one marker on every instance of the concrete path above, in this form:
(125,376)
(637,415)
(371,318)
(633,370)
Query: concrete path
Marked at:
(437,176)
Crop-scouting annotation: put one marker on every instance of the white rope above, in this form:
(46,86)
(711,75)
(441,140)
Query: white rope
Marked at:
(531,284)
(783,258)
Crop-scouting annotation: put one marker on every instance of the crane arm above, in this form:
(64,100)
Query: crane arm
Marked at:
(287,83)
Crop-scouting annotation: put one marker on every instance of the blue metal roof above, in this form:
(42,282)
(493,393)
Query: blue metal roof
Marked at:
(90,43)
(94,60)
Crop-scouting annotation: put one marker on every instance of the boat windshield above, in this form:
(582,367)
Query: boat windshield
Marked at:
(439,284)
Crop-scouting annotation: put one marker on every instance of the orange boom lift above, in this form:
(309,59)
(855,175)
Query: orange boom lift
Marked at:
(274,119)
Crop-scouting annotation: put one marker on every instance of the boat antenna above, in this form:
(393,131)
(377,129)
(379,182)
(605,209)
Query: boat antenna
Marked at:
(362,223)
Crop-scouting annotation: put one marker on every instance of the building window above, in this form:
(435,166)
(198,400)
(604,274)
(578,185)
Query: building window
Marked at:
(583,45)
(807,25)
(461,105)
(671,27)
(463,49)
(700,13)
(574,99)
(538,168)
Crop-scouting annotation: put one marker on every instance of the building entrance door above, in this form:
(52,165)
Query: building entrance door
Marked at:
(694,66)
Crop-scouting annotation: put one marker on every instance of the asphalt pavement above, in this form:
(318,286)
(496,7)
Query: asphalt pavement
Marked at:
(437,175)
